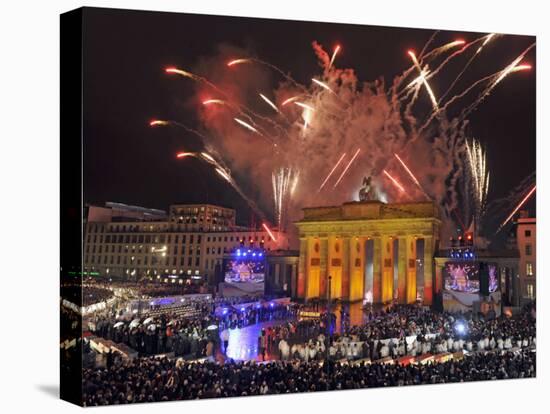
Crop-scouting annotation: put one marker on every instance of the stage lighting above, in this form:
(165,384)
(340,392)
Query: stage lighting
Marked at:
(460,328)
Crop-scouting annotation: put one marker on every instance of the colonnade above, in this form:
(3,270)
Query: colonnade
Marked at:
(345,258)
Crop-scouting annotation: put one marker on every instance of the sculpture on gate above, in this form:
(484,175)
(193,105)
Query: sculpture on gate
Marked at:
(367,191)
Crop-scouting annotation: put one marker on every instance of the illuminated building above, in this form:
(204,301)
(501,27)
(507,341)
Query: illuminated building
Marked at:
(202,217)
(190,241)
(526,236)
(369,249)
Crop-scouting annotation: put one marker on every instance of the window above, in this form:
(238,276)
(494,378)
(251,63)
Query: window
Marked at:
(530,291)
(529,269)
(528,250)
(527,233)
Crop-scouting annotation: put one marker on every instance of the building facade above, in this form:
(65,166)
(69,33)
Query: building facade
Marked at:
(281,273)
(526,236)
(191,242)
(202,217)
(369,249)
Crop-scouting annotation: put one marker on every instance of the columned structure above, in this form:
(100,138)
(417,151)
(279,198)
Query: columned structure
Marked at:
(334,241)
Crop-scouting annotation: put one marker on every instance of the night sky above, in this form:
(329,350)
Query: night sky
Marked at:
(125,87)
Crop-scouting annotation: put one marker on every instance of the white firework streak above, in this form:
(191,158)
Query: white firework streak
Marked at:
(477,158)
(284,183)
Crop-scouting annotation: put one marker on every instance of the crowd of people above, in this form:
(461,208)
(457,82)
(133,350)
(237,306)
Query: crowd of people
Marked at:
(411,330)
(166,333)
(238,316)
(162,379)
(84,295)
(181,355)
(190,337)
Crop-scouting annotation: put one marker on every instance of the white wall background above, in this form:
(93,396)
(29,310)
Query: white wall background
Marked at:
(29,163)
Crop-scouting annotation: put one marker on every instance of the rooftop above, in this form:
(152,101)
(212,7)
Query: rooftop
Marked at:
(371,210)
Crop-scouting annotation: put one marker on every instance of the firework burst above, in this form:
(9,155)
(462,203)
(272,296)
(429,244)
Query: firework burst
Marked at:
(366,120)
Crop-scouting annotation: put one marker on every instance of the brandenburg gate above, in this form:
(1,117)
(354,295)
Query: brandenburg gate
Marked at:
(338,240)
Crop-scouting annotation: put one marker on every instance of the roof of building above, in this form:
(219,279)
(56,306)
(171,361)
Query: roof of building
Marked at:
(371,210)
(128,207)
(201,205)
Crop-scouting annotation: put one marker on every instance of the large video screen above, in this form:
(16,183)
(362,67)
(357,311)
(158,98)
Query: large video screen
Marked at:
(464,277)
(461,277)
(244,271)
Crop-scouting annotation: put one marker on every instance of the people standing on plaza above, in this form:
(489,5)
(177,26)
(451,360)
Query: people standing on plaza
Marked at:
(262,343)
(225,339)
